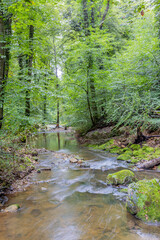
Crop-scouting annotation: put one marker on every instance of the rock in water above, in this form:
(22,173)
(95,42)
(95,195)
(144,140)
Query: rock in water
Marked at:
(144,200)
(121,177)
(13,208)
(73,160)
(43,189)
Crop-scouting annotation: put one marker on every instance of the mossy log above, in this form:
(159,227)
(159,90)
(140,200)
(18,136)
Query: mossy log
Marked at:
(149,164)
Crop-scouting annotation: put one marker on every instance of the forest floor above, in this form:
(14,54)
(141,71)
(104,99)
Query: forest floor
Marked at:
(123,137)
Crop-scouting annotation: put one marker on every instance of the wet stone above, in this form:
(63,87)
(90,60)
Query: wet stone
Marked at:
(43,189)
(12,208)
(35,212)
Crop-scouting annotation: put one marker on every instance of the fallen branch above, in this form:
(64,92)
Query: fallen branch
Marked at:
(149,164)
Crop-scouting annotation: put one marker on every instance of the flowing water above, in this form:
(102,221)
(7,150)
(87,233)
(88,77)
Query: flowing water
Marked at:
(73,203)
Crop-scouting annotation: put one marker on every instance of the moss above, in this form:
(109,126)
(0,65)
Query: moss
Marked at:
(134,160)
(129,152)
(121,177)
(126,149)
(138,152)
(135,147)
(147,149)
(115,149)
(124,157)
(144,200)
(124,190)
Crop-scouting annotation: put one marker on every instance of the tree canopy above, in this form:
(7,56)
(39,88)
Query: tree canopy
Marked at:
(82,63)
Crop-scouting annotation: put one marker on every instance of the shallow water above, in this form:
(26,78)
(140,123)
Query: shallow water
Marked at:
(76,204)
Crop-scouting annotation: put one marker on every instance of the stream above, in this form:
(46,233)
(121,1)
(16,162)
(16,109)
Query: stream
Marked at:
(73,203)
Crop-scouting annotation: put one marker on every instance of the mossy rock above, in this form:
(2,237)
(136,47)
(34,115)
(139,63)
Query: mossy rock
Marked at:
(147,149)
(124,157)
(138,152)
(135,146)
(128,152)
(121,177)
(157,152)
(126,149)
(12,208)
(144,200)
(135,160)
(115,149)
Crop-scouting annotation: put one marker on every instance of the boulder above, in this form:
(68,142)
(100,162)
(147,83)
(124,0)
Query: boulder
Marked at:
(121,177)
(144,200)
(12,208)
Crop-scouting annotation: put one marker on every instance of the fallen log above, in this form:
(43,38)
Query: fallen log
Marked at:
(149,164)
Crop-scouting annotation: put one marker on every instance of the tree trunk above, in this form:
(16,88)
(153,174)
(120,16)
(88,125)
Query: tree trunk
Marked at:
(5,34)
(140,137)
(57,86)
(45,104)
(2,65)
(85,18)
(92,89)
(105,14)
(90,76)
(29,63)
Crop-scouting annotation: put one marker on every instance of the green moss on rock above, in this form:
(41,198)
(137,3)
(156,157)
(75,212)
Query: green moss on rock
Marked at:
(144,200)
(121,177)
(135,147)
(124,157)
(147,149)
(115,149)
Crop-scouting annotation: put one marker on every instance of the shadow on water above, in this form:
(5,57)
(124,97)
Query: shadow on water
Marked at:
(71,203)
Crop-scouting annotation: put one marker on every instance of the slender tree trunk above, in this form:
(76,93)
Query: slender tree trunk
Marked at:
(57,86)
(92,90)
(21,66)
(45,104)
(85,17)
(90,76)
(5,34)
(2,65)
(92,15)
(29,63)
(105,14)
(88,101)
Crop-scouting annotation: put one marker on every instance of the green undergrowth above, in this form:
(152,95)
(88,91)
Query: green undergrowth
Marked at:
(133,153)
(16,159)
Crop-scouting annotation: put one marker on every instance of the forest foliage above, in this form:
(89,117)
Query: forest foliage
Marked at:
(87,62)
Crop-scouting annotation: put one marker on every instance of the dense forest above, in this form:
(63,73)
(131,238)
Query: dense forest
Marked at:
(79,62)
(89,69)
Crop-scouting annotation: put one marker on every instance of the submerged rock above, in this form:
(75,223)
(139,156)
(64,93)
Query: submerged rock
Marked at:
(144,200)
(121,177)
(12,208)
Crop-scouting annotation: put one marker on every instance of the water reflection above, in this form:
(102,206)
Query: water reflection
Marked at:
(55,141)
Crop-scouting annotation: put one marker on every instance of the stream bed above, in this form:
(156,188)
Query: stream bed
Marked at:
(73,203)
